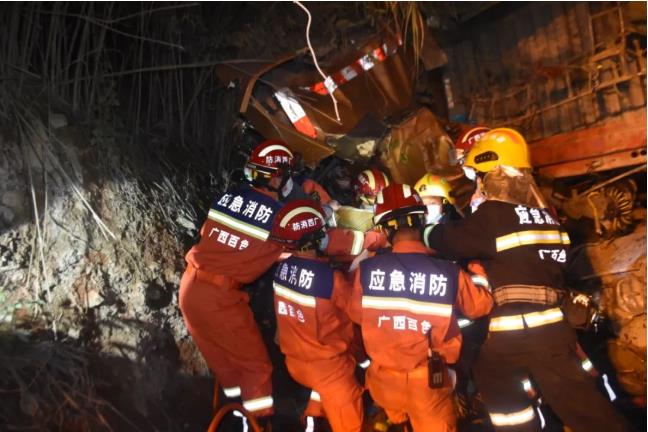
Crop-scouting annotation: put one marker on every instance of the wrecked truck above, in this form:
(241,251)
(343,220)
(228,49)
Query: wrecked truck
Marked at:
(573,83)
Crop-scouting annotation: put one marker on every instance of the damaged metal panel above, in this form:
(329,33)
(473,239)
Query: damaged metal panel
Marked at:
(617,142)
(553,68)
(418,145)
(617,270)
(288,99)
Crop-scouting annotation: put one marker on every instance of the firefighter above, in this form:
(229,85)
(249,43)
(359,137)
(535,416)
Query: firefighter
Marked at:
(293,186)
(524,250)
(436,193)
(314,330)
(235,249)
(404,302)
(366,186)
(466,140)
(344,245)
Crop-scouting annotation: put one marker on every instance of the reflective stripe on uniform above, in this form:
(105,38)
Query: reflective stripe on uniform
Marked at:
(315,396)
(365,364)
(358,242)
(258,404)
(537,319)
(587,365)
(310,424)
(480,280)
(244,423)
(232,392)
(242,227)
(289,294)
(524,238)
(504,323)
(513,419)
(463,322)
(389,303)
(534,319)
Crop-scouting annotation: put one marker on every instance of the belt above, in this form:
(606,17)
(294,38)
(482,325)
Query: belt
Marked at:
(419,372)
(527,294)
(519,322)
(214,279)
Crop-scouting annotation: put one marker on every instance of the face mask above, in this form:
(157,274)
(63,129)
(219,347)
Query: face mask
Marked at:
(323,243)
(470,173)
(433,214)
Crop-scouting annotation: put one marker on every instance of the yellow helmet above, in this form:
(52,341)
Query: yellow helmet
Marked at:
(431,185)
(501,146)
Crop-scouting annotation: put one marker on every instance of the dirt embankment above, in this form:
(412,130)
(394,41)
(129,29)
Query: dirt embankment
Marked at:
(90,262)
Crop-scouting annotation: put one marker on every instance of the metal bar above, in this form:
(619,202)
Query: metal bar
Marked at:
(612,180)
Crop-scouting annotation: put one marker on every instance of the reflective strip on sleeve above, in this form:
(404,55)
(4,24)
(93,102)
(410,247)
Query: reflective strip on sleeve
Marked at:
(365,364)
(524,238)
(480,280)
(259,404)
(587,365)
(358,242)
(315,396)
(549,316)
(463,322)
(388,303)
(310,424)
(291,295)
(242,227)
(232,392)
(513,419)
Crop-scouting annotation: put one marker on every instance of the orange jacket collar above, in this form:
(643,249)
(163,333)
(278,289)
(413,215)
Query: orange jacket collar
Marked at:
(410,246)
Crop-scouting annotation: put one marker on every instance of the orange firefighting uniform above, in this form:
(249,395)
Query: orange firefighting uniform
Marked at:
(398,298)
(233,250)
(315,334)
(343,247)
(315,191)
(345,244)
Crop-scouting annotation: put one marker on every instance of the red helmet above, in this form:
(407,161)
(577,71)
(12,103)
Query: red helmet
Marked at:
(270,159)
(297,222)
(468,138)
(368,183)
(396,201)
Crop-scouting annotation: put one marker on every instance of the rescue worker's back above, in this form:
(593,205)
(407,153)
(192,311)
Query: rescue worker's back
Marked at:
(405,295)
